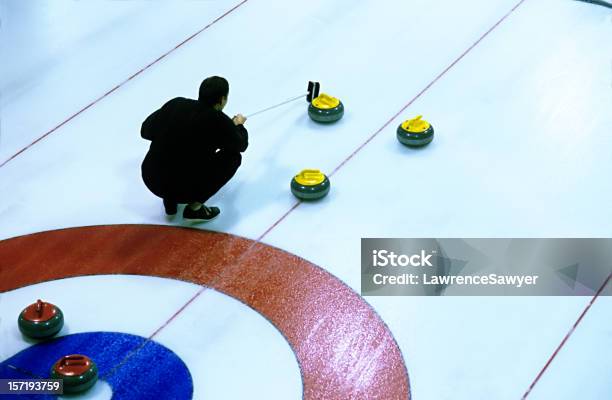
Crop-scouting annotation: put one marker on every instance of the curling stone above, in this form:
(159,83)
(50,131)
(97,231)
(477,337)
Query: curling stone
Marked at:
(310,184)
(415,132)
(78,372)
(325,108)
(40,320)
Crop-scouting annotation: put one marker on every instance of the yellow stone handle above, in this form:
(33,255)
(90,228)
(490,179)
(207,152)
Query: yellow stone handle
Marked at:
(325,101)
(310,177)
(416,124)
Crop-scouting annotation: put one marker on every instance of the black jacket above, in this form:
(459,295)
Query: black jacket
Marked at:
(185,137)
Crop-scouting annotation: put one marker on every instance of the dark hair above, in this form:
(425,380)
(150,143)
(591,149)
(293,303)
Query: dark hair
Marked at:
(212,89)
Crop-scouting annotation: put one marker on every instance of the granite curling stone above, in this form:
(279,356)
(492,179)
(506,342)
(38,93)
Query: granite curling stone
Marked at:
(78,372)
(325,109)
(310,184)
(40,320)
(415,132)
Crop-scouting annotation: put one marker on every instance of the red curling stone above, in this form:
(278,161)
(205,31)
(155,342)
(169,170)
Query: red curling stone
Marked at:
(78,372)
(40,320)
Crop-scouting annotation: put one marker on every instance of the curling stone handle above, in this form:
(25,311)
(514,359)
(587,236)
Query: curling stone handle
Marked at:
(73,360)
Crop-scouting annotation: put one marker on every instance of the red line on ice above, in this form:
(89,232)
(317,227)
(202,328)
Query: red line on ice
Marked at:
(567,336)
(120,84)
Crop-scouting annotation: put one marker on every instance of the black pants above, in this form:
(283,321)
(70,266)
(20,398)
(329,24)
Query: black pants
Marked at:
(193,186)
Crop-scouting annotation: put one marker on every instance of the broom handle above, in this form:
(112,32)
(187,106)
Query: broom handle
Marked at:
(277,105)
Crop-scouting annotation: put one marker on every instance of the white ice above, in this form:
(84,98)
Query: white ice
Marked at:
(522,124)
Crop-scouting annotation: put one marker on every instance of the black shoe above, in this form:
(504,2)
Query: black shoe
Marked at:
(201,214)
(170,207)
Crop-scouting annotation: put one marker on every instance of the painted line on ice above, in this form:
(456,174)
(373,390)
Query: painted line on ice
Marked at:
(567,336)
(88,106)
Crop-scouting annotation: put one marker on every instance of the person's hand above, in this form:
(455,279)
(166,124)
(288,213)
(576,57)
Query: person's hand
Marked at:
(239,119)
